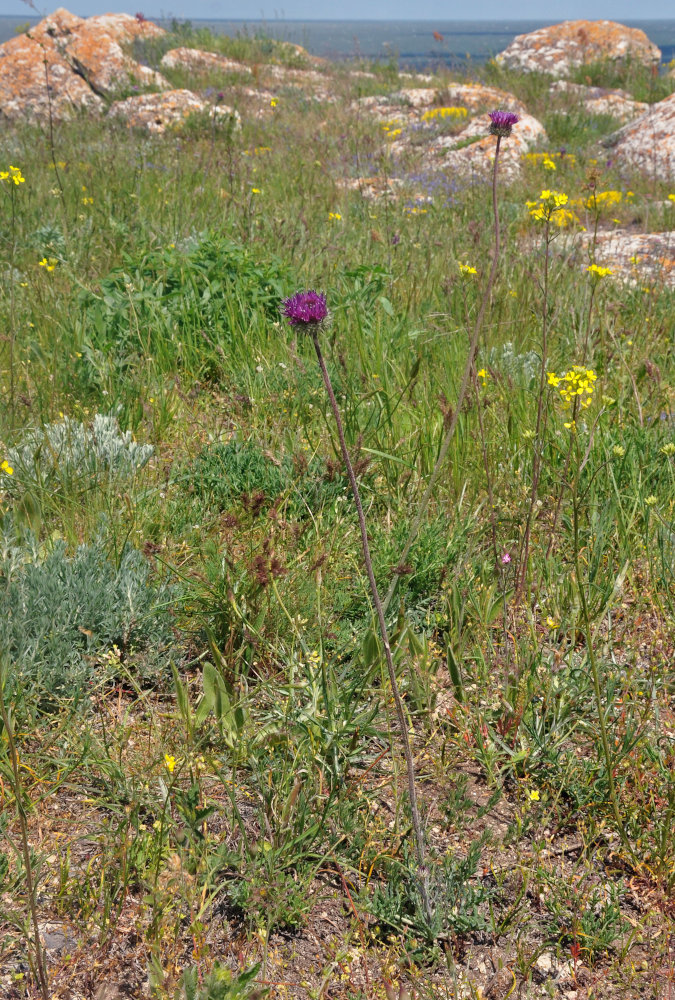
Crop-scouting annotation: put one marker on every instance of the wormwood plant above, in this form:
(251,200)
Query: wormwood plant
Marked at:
(63,612)
(70,450)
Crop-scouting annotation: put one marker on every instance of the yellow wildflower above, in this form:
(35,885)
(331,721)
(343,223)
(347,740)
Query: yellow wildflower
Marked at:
(335,216)
(467,269)
(484,374)
(618,451)
(12,176)
(603,199)
(533,795)
(548,203)
(552,622)
(48,262)
(434,113)
(170,762)
(650,500)
(7,468)
(668,449)
(599,272)
(256,191)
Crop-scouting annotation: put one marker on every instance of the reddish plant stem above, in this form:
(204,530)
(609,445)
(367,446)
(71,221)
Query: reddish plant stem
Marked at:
(400,712)
(466,379)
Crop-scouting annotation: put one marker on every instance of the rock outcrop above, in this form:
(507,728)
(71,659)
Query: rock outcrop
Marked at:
(159,112)
(643,259)
(124,28)
(600,101)
(198,61)
(648,143)
(78,58)
(100,59)
(559,48)
(475,160)
(27,69)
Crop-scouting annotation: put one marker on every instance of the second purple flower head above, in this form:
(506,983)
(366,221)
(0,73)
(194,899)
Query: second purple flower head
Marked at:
(501,122)
(306,308)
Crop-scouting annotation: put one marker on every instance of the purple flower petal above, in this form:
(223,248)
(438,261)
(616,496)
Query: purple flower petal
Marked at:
(305,308)
(502,122)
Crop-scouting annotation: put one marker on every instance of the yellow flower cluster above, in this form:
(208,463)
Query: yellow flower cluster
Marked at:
(433,113)
(7,468)
(258,151)
(577,384)
(606,199)
(547,160)
(12,176)
(48,262)
(546,206)
(334,216)
(467,269)
(599,272)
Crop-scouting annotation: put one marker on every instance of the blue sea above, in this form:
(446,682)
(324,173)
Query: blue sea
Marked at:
(411,43)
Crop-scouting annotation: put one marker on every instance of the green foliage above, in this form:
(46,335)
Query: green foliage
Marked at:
(220,984)
(225,475)
(191,305)
(458,899)
(642,82)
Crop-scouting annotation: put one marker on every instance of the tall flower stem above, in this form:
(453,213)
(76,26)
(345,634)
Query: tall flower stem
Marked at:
(31,888)
(463,389)
(541,422)
(595,674)
(379,609)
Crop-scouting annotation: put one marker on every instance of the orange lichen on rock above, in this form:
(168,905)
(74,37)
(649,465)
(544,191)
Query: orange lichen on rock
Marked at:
(27,68)
(104,65)
(561,47)
(124,28)
(648,143)
(78,59)
(157,112)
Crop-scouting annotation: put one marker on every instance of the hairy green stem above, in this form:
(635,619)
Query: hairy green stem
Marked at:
(379,609)
(466,379)
(25,846)
(596,677)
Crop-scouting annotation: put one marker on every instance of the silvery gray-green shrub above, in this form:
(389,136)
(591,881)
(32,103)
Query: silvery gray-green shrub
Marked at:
(63,613)
(70,449)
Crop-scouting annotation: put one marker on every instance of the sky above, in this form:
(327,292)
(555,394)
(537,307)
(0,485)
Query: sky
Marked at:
(433,10)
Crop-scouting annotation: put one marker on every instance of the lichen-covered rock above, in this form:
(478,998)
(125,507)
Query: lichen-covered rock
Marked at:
(559,48)
(477,97)
(409,102)
(58,25)
(157,112)
(642,259)
(648,143)
(100,59)
(124,28)
(476,160)
(198,61)
(24,78)
(600,101)
(372,188)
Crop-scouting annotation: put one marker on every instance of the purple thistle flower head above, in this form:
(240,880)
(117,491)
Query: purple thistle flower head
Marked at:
(502,122)
(306,308)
